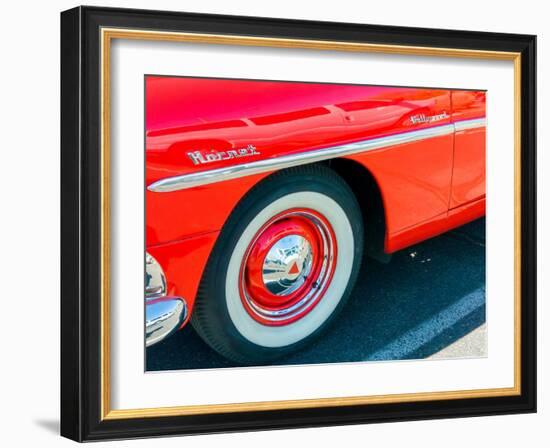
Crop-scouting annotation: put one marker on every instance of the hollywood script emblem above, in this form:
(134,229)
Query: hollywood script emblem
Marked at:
(201,157)
(421,118)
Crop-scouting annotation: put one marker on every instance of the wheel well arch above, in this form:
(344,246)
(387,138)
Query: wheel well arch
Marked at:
(368,194)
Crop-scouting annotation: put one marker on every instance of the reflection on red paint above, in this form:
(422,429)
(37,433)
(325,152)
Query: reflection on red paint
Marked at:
(427,186)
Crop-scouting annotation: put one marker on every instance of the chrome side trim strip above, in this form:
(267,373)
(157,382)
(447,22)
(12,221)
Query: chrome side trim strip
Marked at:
(470,124)
(246,169)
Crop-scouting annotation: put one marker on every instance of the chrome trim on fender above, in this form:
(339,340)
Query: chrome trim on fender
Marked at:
(155,280)
(470,124)
(261,166)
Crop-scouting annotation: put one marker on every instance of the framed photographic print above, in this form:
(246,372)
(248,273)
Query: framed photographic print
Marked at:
(274,224)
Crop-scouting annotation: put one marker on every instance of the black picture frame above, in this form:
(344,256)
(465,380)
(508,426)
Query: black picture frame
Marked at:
(81,413)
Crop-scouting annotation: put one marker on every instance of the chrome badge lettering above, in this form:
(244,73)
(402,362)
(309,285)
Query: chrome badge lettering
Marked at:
(421,118)
(201,157)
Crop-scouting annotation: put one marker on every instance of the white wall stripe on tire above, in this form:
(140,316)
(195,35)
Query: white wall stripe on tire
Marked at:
(280,336)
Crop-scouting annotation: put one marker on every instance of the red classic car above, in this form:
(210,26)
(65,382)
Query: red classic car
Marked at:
(262,197)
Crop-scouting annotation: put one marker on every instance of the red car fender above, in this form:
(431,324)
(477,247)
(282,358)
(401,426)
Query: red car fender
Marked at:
(196,125)
(183,263)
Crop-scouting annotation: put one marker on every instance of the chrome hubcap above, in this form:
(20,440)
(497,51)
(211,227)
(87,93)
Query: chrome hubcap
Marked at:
(287,265)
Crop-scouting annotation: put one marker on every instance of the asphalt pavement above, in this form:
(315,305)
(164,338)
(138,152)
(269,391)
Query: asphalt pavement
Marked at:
(428,301)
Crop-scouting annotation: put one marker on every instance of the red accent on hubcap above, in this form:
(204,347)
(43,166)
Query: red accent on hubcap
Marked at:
(282,309)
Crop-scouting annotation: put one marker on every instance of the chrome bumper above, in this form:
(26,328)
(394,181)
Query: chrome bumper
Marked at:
(163,316)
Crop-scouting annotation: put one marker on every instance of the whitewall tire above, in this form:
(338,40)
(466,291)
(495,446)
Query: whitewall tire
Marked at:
(283,266)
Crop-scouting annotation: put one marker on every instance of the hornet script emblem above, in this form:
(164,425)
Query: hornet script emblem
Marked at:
(200,157)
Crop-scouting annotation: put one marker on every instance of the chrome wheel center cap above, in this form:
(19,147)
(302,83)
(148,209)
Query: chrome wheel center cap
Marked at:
(287,265)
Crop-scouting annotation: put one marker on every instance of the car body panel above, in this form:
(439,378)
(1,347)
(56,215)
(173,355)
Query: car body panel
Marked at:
(183,263)
(185,213)
(468,182)
(435,226)
(426,185)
